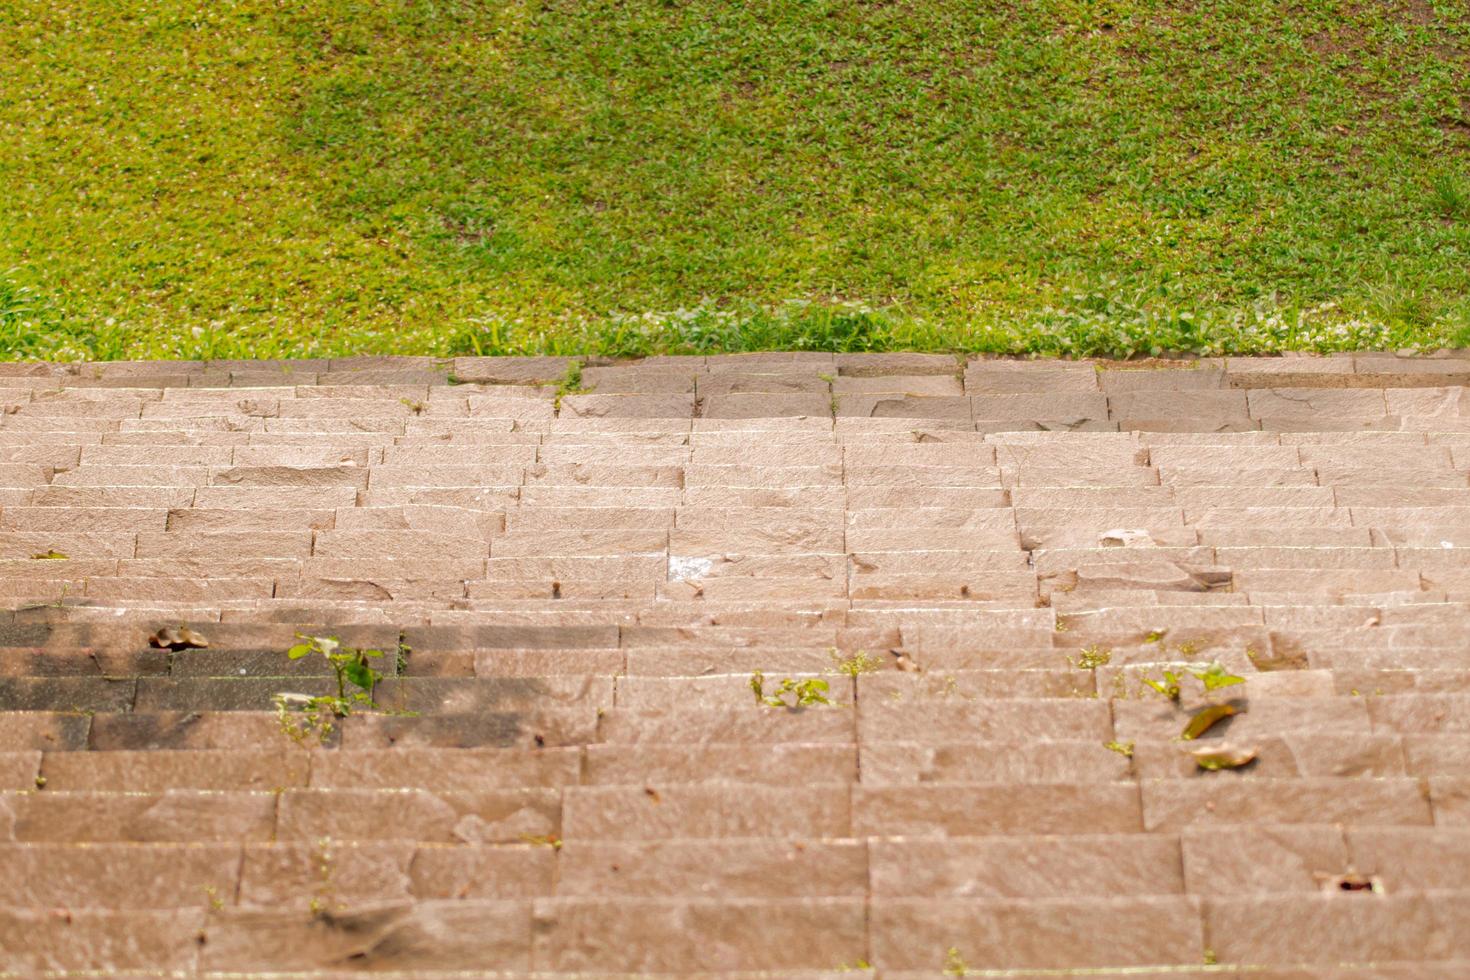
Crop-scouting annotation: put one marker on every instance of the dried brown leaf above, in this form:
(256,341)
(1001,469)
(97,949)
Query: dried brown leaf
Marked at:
(1216,757)
(181,638)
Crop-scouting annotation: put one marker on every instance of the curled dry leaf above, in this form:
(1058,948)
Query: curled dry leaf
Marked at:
(1352,882)
(903,661)
(1217,757)
(51,555)
(181,638)
(1206,718)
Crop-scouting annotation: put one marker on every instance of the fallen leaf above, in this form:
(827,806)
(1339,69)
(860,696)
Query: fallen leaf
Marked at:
(1214,758)
(1283,657)
(182,638)
(1206,719)
(49,556)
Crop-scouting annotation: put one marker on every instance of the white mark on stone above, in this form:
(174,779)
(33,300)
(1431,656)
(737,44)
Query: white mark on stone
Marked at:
(684,569)
(1124,538)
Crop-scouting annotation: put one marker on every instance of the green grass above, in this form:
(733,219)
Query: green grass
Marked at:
(263,178)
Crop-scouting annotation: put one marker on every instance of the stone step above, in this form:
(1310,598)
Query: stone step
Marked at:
(1300,860)
(720,809)
(572,595)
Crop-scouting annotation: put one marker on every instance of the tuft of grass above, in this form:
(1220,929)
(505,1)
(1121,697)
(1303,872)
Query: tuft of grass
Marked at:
(859,663)
(1450,196)
(571,383)
(247,179)
(1092,657)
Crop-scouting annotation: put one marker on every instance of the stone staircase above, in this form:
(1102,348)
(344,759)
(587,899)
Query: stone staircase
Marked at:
(567,772)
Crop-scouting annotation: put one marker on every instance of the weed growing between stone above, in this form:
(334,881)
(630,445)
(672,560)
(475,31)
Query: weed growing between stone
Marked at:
(1212,677)
(58,603)
(302,715)
(791,693)
(1170,685)
(859,663)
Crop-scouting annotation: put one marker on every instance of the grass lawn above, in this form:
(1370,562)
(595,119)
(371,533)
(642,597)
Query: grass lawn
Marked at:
(225,178)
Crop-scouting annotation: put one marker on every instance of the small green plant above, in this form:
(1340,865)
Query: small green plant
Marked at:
(1091,658)
(322,900)
(349,664)
(51,554)
(1168,687)
(413,405)
(834,400)
(1214,677)
(954,963)
(811,691)
(302,715)
(571,382)
(58,603)
(1125,749)
(858,663)
(951,688)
